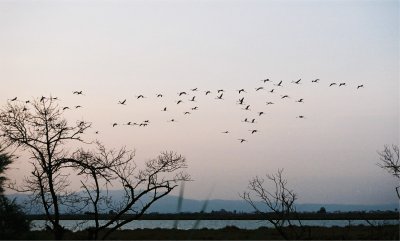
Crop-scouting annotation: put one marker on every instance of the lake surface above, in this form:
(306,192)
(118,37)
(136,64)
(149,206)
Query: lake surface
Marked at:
(76,225)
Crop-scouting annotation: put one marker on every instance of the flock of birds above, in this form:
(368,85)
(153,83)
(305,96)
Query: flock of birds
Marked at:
(219,95)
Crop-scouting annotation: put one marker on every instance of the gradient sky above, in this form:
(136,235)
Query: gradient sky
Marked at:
(115,50)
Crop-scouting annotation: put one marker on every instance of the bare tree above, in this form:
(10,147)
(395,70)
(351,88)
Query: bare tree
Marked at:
(277,202)
(143,187)
(39,128)
(390,162)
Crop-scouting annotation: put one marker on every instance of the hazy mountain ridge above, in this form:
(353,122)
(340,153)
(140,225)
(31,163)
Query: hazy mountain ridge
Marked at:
(169,203)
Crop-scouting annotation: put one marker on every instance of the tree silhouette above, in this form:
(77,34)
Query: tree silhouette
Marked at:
(278,199)
(13,221)
(390,162)
(39,128)
(102,168)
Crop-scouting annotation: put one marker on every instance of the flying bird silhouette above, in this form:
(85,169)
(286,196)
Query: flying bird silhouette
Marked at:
(76,92)
(140,96)
(182,93)
(242,140)
(270,103)
(114,125)
(259,88)
(296,82)
(195,89)
(301,117)
(208,92)
(300,101)
(241,90)
(65,108)
(261,113)
(220,96)
(195,108)
(265,80)
(122,102)
(220,91)
(178,102)
(14,99)
(332,84)
(186,113)
(192,98)
(285,96)
(159,95)
(165,109)
(78,106)
(247,107)
(315,81)
(279,84)
(360,86)
(225,132)
(342,84)
(241,101)
(253,131)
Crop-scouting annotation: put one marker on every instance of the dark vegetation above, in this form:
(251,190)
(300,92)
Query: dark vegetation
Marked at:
(387,232)
(13,222)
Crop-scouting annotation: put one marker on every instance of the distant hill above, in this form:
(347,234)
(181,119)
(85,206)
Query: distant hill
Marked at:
(168,204)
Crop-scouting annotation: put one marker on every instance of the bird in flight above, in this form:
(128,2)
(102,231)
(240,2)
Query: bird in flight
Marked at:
(301,117)
(253,121)
(42,99)
(241,90)
(270,103)
(300,101)
(360,86)
(122,102)
(172,120)
(279,84)
(139,96)
(342,84)
(186,113)
(265,80)
(65,108)
(242,140)
(195,89)
(182,93)
(332,84)
(76,92)
(192,99)
(253,131)
(247,107)
(296,82)
(259,88)
(208,92)
(178,102)
(285,96)
(218,91)
(159,95)
(165,109)
(315,81)
(114,125)
(241,100)
(261,113)
(78,106)
(195,108)
(245,120)
(220,96)
(14,99)
(225,132)
(272,91)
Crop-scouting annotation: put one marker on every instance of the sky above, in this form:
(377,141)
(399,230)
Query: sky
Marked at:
(116,50)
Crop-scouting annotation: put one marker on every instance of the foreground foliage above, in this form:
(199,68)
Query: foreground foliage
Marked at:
(387,232)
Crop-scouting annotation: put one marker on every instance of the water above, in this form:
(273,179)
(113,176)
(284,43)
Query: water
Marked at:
(76,225)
